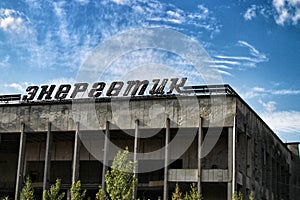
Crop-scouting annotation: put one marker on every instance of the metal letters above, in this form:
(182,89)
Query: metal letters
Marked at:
(133,88)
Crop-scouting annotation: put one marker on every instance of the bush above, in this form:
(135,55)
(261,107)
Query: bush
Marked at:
(27,191)
(194,194)
(54,192)
(251,196)
(101,195)
(237,196)
(177,195)
(76,191)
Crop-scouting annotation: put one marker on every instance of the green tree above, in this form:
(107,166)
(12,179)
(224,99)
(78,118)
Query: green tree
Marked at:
(101,195)
(54,192)
(27,191)
(177,194)
(194,194)
(120,180)
(237,196)
(76,191)
(5,198)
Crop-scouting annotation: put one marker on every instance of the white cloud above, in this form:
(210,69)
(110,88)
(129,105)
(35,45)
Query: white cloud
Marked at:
(63,31)
(250,13)
(5,62)
(65,39)
(287,11)
(16,87)
(269,106)
(283,121)
(121,2)
(21,87)
(60,81)
(241,62)
(83,2)
(260,91)
(11,20)
(226,62)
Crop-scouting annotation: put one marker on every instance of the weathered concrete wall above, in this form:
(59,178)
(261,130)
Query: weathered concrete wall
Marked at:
(262,159)
(121,112)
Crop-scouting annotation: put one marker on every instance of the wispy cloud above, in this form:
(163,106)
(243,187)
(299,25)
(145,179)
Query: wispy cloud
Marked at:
(4,63)
(11,20)
(287,11)
(286,123)
(59,38)
(260,92)
(268,106)
(250,13)
(251,60)
(83,2)
(15,87)
(21,87)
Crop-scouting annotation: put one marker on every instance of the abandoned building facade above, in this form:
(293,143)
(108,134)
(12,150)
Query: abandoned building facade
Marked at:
(212,138)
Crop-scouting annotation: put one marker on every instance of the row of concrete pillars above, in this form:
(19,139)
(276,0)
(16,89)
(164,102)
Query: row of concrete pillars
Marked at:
(76,157)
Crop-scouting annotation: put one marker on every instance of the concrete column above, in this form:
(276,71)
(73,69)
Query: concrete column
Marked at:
(135,160)
(166,159)
(105,154)
(21,160)
(233,156)
(200,136)
(47,158)
(230,163)
(76,155)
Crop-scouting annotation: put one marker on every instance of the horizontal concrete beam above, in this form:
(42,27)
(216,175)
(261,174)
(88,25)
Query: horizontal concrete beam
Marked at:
(191,175)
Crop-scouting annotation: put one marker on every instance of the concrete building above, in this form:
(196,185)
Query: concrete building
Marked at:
(60,139)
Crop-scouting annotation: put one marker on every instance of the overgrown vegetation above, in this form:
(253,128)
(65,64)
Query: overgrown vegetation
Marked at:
(54,192)
(27,191)
(101,195)
(177,194)
(193,194)
(251,196)
(77,193)
(237,196)
(120,185)
(120,180)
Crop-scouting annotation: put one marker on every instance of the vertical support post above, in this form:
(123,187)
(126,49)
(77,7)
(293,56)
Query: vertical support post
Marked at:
(105,155)
(231,160)
(233,156)
(135,160)
(166,159)
(76,155)
(230,164)
(21,160)
(200,136)
(47,158)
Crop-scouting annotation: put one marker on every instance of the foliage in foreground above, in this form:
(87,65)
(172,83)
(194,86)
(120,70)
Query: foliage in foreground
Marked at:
(76,192)
(120,180)
(193,194)
(54,192)
(251,196)
(177,194)
(27,191)
(237,196)
(101,195)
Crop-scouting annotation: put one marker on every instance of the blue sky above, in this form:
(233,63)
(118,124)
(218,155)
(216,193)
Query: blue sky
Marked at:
(255,44)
